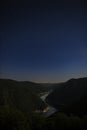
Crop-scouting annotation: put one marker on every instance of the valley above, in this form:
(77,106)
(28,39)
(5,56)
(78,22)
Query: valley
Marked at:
(32,106)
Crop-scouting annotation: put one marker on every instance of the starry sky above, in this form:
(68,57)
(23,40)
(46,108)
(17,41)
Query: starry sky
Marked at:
(43,41)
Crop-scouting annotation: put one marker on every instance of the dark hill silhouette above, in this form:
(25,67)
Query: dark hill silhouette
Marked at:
(21,95)
(71,97)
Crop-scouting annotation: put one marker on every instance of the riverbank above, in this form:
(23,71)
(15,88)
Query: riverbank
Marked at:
(49,110)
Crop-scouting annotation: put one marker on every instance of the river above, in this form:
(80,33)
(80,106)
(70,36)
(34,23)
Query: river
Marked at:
(49,110)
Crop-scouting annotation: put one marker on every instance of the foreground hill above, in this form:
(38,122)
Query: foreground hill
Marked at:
(21,95)
(71,97)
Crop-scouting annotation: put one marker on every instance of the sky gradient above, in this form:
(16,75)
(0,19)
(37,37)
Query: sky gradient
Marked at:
(43,42)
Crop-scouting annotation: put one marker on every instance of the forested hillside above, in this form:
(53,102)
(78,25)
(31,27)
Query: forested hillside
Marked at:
(71,96)
(21,95)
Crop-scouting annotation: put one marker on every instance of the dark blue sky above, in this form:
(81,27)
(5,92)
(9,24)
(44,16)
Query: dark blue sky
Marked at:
(43,42)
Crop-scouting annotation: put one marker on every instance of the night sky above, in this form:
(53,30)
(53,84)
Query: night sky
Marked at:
(43,41)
